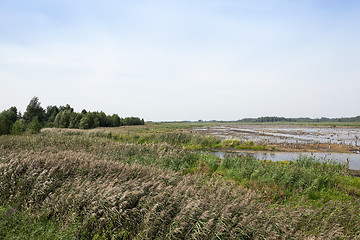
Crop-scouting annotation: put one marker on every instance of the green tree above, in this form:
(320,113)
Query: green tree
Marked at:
(18,127)
(133,121)
(7,119)
(85,122)
(64,121)
(34,126)
(14,114)
(103,120)
(51,112)
(115,120)
(34,110)
(67,107)
(5,122)
(75,119)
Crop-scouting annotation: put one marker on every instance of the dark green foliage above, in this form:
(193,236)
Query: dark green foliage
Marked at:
(7,119)
(85,122)
(34,126)
(61,117)
(18,127)
(51,112)
(34,110)
(75,119)
(67,107)
(103,120)
(62,120)
(13,114)
(133,121)
(115,120)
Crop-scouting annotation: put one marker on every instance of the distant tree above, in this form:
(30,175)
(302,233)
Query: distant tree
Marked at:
(18,127)
(19,115)
(64,120)
(133,121)
(96,122)
(67,107)
(84,122)
(103,121)
(115,120)
(51,109)
(75,119)
(50,115)
(57,120)
(7,119)
(34,126)
(34,110)
(14,113)
(35,117)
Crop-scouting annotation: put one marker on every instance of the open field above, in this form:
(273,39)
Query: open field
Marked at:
(150,182)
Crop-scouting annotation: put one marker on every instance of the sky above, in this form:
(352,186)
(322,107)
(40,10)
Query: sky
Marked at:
(183,59)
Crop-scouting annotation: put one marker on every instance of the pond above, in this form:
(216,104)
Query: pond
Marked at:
(354,159)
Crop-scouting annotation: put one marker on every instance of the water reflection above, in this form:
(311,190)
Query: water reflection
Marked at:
(354,159)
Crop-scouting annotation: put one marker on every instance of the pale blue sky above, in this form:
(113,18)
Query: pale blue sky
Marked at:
(183,60)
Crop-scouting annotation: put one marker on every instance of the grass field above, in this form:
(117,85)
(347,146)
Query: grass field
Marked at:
(149,182)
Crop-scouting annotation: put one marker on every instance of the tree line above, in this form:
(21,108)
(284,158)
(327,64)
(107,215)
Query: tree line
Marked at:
(282,119)
(35,117)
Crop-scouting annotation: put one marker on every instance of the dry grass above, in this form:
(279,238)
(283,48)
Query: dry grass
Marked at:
(112,190)
(138,201)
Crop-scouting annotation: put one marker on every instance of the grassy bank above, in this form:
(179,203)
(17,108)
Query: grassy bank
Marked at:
(94,185)
(187,139)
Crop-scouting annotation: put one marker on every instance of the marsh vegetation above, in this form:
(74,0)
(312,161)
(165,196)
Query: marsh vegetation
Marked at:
(148,182)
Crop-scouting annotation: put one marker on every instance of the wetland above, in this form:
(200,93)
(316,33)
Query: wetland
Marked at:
(157,181)
(290,141)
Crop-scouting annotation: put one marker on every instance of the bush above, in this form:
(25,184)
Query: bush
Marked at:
(19,127)
(7,119)
(34,126)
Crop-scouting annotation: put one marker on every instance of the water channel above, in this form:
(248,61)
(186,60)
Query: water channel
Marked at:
(354,159)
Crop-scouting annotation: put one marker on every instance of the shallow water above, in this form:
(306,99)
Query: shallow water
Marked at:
(354,159)
(288,134)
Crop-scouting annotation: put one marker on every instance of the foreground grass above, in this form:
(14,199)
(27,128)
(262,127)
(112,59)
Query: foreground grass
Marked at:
(86,185)
(25,225)
(304,179)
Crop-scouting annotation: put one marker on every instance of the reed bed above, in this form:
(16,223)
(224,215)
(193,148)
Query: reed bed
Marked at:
(89,186)
(116,200)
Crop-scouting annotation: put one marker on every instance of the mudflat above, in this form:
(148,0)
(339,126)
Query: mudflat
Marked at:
(292,137)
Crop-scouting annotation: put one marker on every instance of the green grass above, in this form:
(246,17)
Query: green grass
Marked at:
(288,180)
(247,145)
(188,140)
(146,182)
(15,224)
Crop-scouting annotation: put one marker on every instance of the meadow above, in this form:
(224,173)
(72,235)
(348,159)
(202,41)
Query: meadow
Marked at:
(152,182)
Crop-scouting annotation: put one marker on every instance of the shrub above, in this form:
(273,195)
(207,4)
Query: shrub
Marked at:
(34,126)
(19,127)
(7,119)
